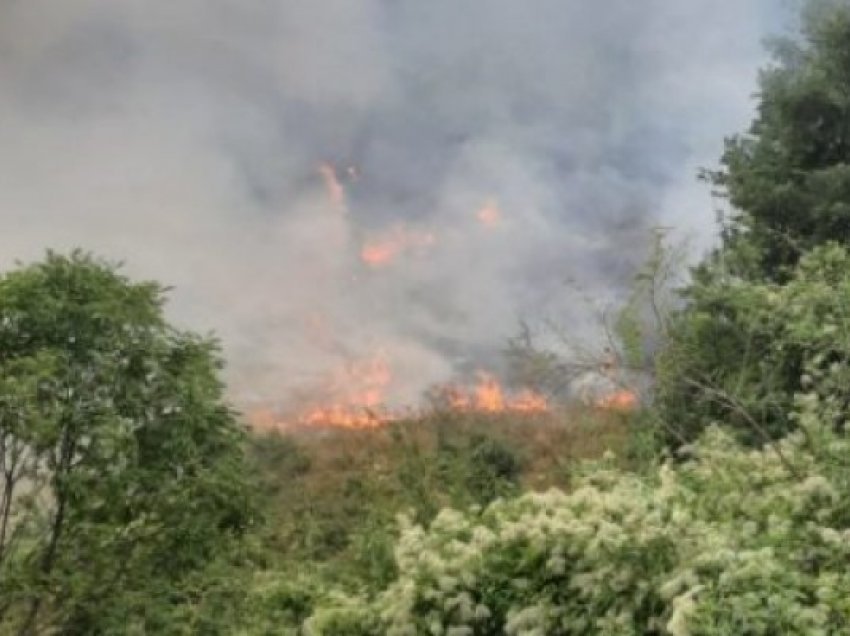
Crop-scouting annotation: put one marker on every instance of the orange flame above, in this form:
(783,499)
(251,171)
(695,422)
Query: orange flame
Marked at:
(528,401)
(344,416)
(488,396)
(383,250)
(357,395)
(359,400)
(622,401)
(489,215)
(359,389)
(333,186)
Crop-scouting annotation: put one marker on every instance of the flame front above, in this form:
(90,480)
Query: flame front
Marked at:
(359,392)
(488,396)
(361,402)
(333,186)
(356,395)
(344,416)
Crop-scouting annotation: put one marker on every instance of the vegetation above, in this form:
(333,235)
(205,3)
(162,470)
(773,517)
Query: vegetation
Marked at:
(334,495)
(122,468)
(743,349)
(727,542)
(766,312)
(788,178)
(132,502)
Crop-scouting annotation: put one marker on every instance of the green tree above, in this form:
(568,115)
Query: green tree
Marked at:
(788,178)
(122,466)
(736,353)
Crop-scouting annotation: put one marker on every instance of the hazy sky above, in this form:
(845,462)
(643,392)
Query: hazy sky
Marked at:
(491,149)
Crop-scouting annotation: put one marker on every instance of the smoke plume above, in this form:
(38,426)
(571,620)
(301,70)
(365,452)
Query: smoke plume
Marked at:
(325,182)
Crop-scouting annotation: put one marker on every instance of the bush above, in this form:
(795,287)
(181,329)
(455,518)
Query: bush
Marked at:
(493,470)
(729,541)
(742,349)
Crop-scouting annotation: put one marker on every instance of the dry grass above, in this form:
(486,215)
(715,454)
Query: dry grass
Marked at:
(547,445)
(335,492)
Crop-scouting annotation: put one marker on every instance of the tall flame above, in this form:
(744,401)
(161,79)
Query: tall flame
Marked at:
(488,396)
(333,186)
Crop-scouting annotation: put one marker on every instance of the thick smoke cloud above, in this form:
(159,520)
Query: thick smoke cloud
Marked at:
(186,139)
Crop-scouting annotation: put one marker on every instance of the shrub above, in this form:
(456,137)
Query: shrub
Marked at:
(742,349)
(729,541)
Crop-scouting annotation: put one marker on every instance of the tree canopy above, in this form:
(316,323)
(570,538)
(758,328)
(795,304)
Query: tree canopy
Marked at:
(769,303)
(122,468)
(788,177)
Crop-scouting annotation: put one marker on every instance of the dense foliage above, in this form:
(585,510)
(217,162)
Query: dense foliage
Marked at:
(742,349)
(127,505)
(789,177)
(771,301)
(122,468)
(729,541)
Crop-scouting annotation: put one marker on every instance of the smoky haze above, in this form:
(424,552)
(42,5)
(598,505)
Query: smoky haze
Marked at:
(485,151)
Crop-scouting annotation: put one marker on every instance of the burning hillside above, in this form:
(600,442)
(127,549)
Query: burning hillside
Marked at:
(360,396)
(345,388)
(320,180)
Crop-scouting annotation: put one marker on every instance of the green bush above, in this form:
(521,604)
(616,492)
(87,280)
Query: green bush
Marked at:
(493,470)
(742,349)
(773,298)
(729,541)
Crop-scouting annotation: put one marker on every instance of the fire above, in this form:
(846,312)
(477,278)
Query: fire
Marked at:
(528,401)
(386,248)
(359,400)
(356,397)
(333,186)
(489,215)
(623,401)
(488,396)
(378,254)
(359,394)
(344,416)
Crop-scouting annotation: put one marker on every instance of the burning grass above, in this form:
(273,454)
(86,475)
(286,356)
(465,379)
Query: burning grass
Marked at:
(545,441)
(335,491)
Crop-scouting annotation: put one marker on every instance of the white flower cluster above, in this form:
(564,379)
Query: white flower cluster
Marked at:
(732,542)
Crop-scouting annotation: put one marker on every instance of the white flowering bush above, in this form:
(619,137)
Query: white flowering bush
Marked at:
(728,541)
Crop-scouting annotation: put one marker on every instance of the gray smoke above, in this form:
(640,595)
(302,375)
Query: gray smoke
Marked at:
(186,138)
